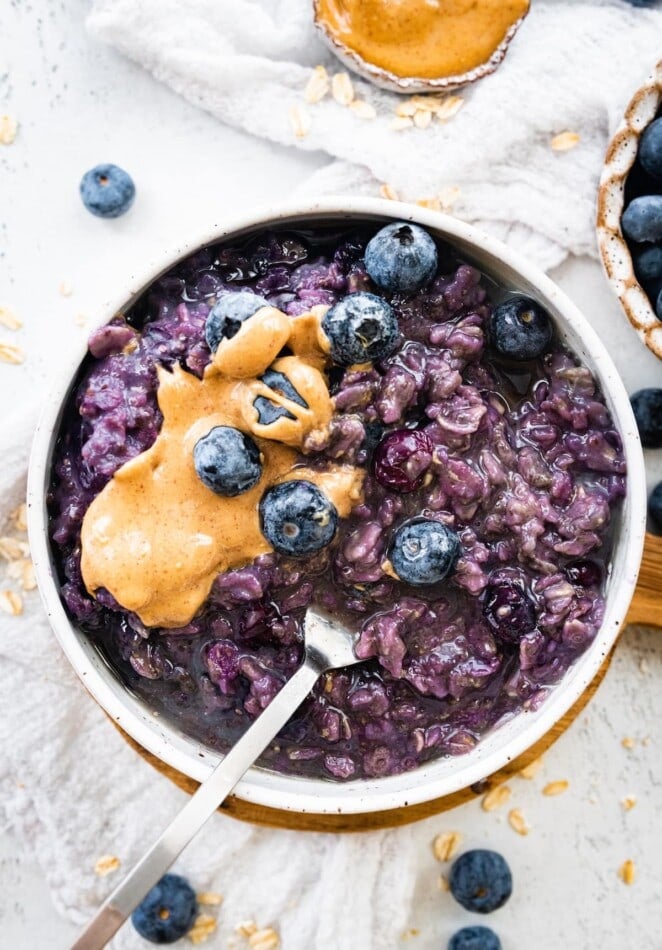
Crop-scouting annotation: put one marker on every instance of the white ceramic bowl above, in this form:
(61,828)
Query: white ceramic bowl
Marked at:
(437,778)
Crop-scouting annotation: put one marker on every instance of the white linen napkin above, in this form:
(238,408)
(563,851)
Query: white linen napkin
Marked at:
(570,68)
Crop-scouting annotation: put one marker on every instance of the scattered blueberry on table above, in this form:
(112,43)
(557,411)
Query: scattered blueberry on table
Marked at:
(655,507)
(107,191)
(481,881)
(361,328)
(474,938)
(520,329)
(297,518)
(167,912)
(401,258)
(647,408)
(227,315)
(424,552)
(227,461)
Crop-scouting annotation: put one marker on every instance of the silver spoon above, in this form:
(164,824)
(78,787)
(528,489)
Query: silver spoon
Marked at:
(328,646)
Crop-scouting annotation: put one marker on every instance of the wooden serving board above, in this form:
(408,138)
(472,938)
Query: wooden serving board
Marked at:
(646,609)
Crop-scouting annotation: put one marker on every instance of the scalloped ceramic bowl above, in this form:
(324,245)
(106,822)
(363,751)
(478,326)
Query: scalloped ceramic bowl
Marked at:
(437,778)
(614,251)
(408,85)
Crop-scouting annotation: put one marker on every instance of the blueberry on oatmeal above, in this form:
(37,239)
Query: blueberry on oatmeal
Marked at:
(167,913)
(481,881)
(401,258)
(361,328)
(227,461)
(520,329)
(424,552)
(513,468)
(227,315)
(297,518)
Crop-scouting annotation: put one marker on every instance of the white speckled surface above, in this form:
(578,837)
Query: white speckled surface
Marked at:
(79,104)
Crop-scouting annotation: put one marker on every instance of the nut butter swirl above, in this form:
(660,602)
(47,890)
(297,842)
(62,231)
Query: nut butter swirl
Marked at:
(430,39)
(156,537)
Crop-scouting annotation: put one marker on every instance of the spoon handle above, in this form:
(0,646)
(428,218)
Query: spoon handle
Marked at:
(200,807)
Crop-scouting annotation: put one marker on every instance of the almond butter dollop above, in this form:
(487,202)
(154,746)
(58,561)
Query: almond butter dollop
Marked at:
(156,536)
(430,39)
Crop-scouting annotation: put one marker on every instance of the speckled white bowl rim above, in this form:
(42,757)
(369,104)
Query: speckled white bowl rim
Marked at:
(442,776)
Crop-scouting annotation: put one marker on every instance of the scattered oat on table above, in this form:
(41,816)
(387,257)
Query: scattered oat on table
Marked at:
(11,354)
(318,86)
(106,864)
(517,822)
(210,899)
(19,517)
(422,119)
(628,742)
(65,288)
(11,603)
(448,196)
(555,788)
(342,89)
(564,141)
(22,570)
(11,549)
(406,109)
(446,844)
(644,668)
(432,204)
(246,928)
(265,939)
(203,927)
(496,797)
(300,122)
(442,883)
(9,319)
(531,770)
(363,109)
(449,108)
(8,129)
(401,122)
(388,191)
(626,872)
(628,802)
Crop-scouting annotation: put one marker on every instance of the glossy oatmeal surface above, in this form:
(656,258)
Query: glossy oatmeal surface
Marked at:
(522,461)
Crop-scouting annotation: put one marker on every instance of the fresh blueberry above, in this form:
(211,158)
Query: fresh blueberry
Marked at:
(655,507)
(642,3)
(402,459)
(584,573)
(658,305)
(474,938)
(227,315)
(650,149)
(107,191)
(509,610)
(227,461)
(269,411)
(647,261)
(520,329)
(647,408)
(642,219)
(168,911)
(424,552)
(481,881)
(401,258)
(361,328)
(297,518)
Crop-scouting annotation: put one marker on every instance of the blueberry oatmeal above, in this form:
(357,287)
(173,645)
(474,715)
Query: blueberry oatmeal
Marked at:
(357,418)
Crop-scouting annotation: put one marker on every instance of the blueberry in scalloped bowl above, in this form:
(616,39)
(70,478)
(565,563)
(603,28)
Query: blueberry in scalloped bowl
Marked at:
(107,191)
(647,408)
(650,149)
(474,938)
(167,913)
(401,258)
(655,507)
(642,219)
(290,418)
(481,881)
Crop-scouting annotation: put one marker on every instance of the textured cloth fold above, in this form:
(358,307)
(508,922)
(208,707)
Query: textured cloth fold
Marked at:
(571,67)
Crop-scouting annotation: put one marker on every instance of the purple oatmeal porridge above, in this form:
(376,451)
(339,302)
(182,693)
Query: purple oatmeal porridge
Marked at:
(521,461)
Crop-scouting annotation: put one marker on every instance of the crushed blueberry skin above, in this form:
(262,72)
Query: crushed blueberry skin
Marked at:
(522,464)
